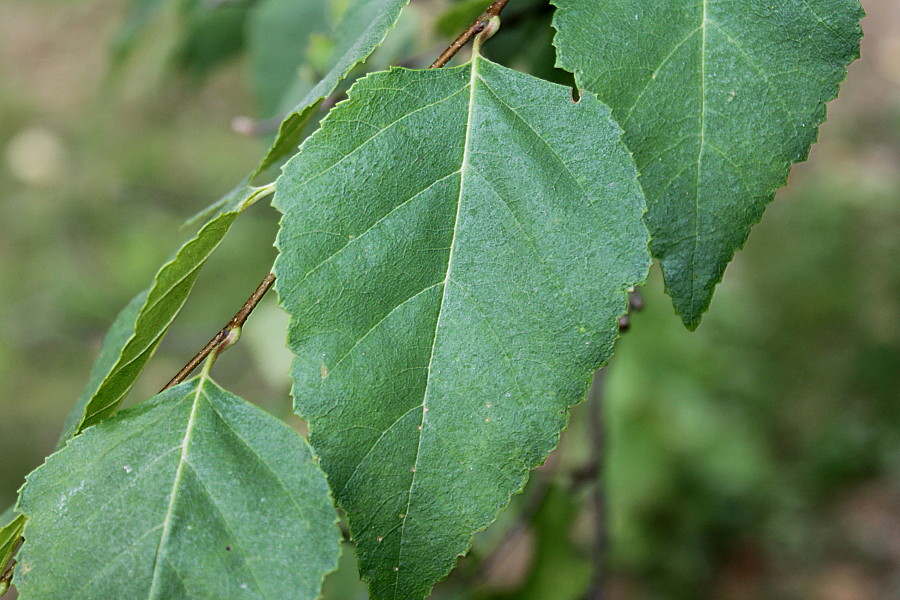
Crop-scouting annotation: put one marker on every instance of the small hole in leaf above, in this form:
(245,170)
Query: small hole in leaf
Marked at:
(576,95)
(228,548)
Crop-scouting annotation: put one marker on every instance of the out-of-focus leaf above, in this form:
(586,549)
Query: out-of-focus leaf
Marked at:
(194,494)
(455,257)
(559,569)
(459,16)
(139,14)
(211,35)
(718,99)
(362,28)
(278,40)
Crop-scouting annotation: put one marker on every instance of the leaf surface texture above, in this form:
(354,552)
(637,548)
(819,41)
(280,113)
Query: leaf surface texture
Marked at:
(456,249)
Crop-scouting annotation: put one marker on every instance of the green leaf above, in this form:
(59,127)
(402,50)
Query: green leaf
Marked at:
(279,36)
(364,25)
(9,539)
(456,249)
(138,16)
(717,98)
(194,494)
(141,325)
(212,34)
(122,330)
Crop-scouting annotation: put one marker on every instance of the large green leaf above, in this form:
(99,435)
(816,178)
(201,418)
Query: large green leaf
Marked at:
(362,28)
(717,98)
(194,494)
(456,249)
(141,325)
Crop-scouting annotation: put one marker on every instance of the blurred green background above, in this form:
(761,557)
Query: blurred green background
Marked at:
(758,458)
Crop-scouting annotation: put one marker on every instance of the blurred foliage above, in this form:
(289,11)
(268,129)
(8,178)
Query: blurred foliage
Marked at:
(758,458)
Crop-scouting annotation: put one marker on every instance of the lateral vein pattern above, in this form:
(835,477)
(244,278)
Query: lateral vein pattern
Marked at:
(456,248)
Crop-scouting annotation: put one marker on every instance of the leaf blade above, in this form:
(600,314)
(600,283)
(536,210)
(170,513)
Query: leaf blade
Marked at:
(193,494)
(411,254)
(716,106)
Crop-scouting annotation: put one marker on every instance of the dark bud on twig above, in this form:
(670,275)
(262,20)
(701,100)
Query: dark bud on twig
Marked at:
(635,301)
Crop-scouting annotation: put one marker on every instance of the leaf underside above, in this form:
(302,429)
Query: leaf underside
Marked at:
(194,494)
(456,249)
(718,98)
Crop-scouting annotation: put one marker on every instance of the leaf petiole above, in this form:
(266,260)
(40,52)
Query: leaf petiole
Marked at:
(257,195)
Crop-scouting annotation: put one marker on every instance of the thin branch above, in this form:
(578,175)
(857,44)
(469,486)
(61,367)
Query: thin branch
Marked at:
(222,340)
(594,470)
(6,578)
(597,437)
(475,28)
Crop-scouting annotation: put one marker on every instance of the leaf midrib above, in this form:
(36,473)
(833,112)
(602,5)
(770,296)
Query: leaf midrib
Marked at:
(473,77)
(182,461)
(704,23)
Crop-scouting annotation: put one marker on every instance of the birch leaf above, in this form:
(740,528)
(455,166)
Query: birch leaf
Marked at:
(718,98)
(194,494)
(456,249)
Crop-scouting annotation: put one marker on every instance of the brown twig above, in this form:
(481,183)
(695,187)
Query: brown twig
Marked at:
(475,28)
(594,471)
(6,578)
(597,437)
(222,337)
(635,304)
